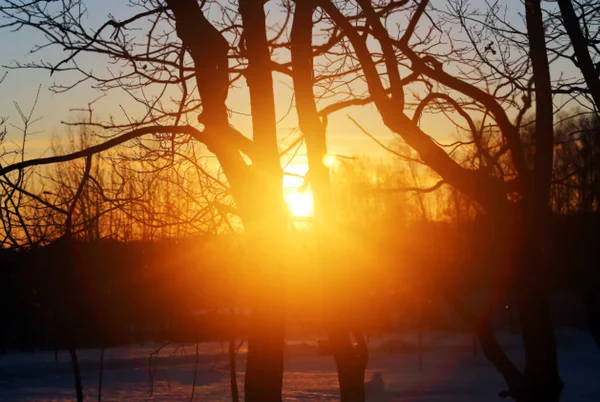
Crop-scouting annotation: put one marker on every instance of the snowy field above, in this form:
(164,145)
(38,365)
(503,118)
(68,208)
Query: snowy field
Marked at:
(450,371)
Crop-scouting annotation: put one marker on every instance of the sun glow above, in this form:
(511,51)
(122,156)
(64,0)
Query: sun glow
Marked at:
(300,203)
(329,160)
(298,197)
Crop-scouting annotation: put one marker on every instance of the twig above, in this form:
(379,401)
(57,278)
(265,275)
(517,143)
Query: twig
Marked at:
(86,174)
(152,366)
(195,373)
(100,374)
(232,369)
(76,374)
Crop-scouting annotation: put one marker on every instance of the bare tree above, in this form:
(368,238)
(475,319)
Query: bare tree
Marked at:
(529,187)
(389,55)
(195,51)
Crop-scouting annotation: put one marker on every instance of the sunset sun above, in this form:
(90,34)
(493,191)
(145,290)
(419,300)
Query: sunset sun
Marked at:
(329,160)
(300,203)
(299,200)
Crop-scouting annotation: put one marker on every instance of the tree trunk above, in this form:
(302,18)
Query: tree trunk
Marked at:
(266,227)
(256,188)
(542,381)
(100,374)
(351,366)
(266,333)
(351,362)
(579,43)
(76,374)
(489,344)
(264,365)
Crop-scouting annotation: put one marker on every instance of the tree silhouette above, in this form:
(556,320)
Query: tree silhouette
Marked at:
(198,50)
(581,42)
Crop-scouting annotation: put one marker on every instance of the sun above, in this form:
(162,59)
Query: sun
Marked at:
(299,199)
(300,203)
(330,160)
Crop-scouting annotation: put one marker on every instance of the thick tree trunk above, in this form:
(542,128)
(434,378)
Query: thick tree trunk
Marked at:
(351,362)
(351,368)
(256,188)
(542,381)
(489,344)
(580,46)
(266,227)
(264,364)
(267,244)
(351,358)
(537,189)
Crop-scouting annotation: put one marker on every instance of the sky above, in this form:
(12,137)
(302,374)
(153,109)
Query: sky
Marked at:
(21,86)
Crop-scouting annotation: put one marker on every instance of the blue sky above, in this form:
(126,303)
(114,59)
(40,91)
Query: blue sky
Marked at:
(21,85)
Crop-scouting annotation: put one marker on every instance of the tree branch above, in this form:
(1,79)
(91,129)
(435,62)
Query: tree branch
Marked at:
(107,145)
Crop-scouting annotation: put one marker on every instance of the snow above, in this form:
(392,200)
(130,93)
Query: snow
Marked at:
(450,371)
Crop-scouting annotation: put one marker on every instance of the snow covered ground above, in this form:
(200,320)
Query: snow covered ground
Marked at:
(450,371)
